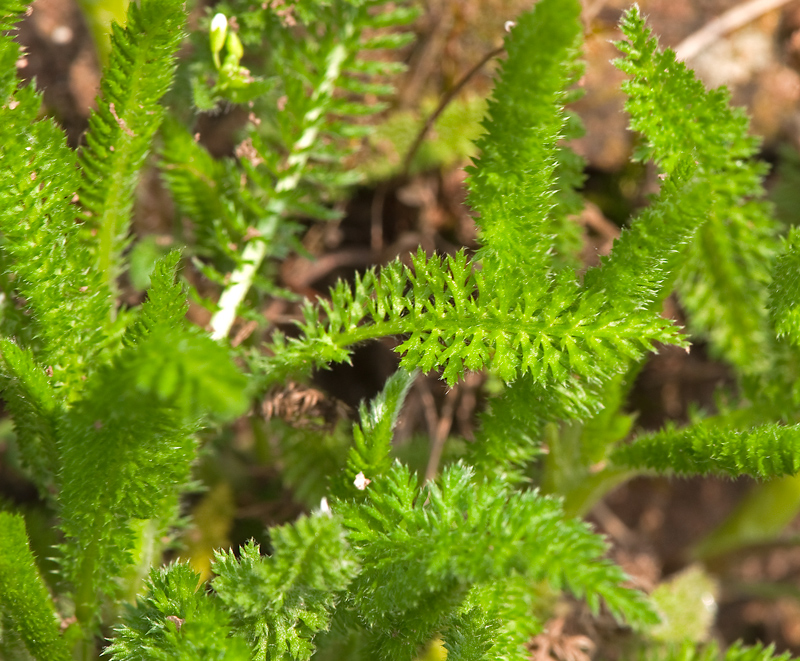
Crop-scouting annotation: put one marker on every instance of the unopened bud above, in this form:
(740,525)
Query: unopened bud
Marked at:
(235,48)
(219,30)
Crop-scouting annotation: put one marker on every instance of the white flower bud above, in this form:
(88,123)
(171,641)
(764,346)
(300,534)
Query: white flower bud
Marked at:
(219,30)
(324,508)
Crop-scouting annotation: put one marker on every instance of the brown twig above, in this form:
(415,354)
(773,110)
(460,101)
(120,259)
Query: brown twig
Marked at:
(316,270)
(613,525)
(731,20)
(376,220)
(440,434)
(443,103)
(442,17)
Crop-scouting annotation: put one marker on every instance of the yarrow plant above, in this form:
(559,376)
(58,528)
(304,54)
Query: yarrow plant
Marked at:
(107,401)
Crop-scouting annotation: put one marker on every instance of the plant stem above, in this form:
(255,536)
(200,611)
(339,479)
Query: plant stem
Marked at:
(443,103)
(255,250)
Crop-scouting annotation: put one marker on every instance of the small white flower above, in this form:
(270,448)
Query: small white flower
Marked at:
(508,25)
(361,482)
(219,23)
(324,508)
(219,28)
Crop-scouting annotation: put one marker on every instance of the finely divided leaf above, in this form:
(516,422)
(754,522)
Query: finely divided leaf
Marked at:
(139,73)
(176,620)
(639,273)
(280,602)
(784,301)
(166,305)
(36,409)
(762,452)
(457,321)
(370,454)
(54,271)
(513,182)
(24,599)
(725,269)
(127,448)
(421,550)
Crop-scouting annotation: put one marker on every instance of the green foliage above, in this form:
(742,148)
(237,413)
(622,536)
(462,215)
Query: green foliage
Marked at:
(457,320)
(767,451)
(711,652)
(372,439)
(36,410)
(176,619)
(165,307)
(53,271)
(310,103)
(725,270)
(24,599)
(514,177)
(280,602)
(785,290)
(108,401)
(309,474)
(127,447)
(139,73)
(104,414)
(423,551)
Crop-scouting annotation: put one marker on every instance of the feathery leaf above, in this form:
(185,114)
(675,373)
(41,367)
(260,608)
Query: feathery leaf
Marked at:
(176,620)
(139,73)
(279,602)
(703,448)
(24,599)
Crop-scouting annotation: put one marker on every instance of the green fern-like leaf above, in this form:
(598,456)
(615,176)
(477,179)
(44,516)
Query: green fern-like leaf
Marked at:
(513,181)
(472,637)
(127,448)
(422,550)
(762,452)
(24,599)
(54,271)
(640,270)
(725,269)
(370,454)
(206,191)
(11,11)
(176,620)
(455,321)
(140,71)
(279,602)
(30,398)
(165,307)
(511,430)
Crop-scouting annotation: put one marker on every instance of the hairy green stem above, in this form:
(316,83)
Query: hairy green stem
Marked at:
(256,249)
(85,595)
(116,209)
